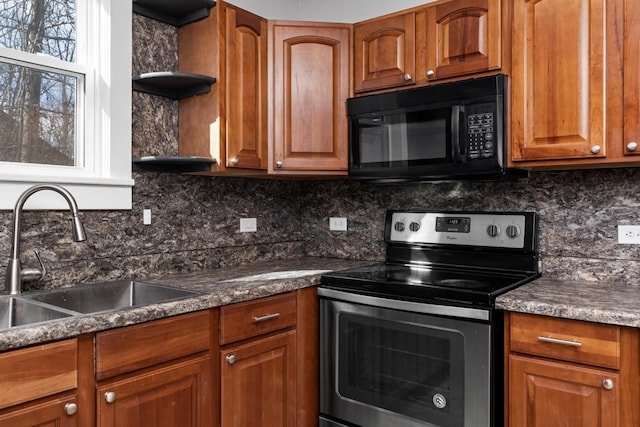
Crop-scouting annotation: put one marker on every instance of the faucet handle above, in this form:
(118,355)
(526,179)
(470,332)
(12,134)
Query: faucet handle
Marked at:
(34,274)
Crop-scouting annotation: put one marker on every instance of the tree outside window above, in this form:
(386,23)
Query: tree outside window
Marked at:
(38,103)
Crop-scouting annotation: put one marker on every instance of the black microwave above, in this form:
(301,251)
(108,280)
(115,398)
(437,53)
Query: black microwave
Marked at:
(449,131)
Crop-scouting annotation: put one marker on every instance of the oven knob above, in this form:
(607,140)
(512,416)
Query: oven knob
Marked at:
(493,230)
(513,231)
(414,226)
(399,226)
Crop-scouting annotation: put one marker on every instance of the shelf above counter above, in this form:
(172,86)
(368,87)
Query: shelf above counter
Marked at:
(173,84)
(174,12)
(172,164)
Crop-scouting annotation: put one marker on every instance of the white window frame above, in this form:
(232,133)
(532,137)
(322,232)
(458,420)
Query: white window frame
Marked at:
(102,177)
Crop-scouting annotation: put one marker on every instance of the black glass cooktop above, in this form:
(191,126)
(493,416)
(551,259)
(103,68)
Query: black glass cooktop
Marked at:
(418,283)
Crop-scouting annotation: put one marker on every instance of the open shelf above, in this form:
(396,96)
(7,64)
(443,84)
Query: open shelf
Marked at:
(174,12)
(173,164)
(173,84)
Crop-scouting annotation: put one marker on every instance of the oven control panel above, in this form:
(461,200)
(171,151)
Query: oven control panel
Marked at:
(500,230)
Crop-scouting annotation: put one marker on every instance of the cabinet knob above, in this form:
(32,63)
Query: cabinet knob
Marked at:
(234,161)
(431,73)
(407,77)
(110,397)
(278,164)
(607,384)
(70,408)
(231,359)
(632,146)
(595,149)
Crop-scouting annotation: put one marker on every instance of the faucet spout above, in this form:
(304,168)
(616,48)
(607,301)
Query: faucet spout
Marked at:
(15,273)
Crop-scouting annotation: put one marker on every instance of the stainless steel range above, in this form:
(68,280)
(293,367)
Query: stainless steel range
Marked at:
(415,341)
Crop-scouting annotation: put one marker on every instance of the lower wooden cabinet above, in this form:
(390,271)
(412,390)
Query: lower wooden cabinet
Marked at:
(258,383)
(269,361)
(544,393)
(176,395)
(571,373)
(156,373)
(58,412)
(39,386)
(260,370)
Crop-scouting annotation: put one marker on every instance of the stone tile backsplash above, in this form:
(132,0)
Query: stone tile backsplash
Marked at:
(195,219)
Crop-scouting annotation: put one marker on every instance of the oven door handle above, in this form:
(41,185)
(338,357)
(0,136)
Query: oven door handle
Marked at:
(414,307)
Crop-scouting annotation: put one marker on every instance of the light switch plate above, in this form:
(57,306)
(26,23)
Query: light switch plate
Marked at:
(146,216)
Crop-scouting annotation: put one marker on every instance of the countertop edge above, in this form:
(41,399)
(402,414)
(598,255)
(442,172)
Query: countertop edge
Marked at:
(601,302)
(215,287)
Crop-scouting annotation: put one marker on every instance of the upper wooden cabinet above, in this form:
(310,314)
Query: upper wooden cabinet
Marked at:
(384,52)
(309,70)
(245,59)
(279,105)
(631,46)
(444,40)
(230,122)
(463,37)
(575,83)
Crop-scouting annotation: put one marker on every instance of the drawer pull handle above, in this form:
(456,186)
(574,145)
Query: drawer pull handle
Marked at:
(607,384)
(231,359)
(110,397)
(559,341)
(265,317)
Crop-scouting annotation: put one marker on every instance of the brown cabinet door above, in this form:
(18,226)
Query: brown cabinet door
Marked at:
(177,395)
(463,37)
(631,42)
(384,53)
(310,88)
(50,413)
(246,89)
(564,61)
(259,383)
(544,393)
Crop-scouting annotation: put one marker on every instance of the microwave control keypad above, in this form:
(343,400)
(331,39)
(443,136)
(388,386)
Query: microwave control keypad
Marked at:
(480,136)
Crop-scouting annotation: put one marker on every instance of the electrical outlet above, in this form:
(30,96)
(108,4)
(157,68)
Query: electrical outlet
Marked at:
(629,234)
(337,224)
(248,225)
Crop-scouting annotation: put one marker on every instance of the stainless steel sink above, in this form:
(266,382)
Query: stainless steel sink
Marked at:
(19,312)
(109,296)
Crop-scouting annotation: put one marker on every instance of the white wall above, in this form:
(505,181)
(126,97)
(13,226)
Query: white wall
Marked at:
(349,11)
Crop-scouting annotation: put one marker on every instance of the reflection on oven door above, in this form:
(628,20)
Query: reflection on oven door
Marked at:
(324,422)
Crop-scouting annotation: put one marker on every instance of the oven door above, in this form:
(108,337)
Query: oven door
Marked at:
(383,366)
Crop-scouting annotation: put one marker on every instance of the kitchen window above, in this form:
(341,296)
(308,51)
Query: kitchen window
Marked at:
(65,100)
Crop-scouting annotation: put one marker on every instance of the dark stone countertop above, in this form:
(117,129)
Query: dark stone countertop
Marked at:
(593,301)
(217,287)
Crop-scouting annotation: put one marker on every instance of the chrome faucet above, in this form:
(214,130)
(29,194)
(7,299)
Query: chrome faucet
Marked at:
(15,274)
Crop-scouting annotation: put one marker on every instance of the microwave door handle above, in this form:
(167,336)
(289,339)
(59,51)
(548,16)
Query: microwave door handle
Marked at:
(457,144)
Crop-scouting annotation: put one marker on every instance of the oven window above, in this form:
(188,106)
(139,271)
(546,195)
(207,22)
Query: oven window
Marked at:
(405,139)
(410,369)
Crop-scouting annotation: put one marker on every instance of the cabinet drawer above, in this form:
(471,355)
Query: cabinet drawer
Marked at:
(249,319)
(36,372)
(140,346)
(571,340)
